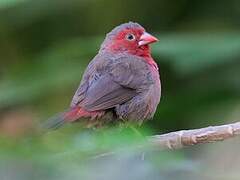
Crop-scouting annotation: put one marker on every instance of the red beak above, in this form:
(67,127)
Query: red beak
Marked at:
(146,38)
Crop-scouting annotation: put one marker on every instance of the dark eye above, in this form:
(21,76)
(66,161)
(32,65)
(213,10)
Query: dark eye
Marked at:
(130,37)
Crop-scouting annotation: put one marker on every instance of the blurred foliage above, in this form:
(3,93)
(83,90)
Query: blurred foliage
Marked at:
(45,47)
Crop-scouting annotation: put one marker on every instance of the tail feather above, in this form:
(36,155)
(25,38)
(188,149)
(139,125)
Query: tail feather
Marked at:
(70,115)
(60,119)
(54,122)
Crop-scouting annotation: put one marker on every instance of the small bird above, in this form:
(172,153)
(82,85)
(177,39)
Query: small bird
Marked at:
(121,83)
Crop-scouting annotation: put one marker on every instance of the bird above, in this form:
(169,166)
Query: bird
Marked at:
(120,84)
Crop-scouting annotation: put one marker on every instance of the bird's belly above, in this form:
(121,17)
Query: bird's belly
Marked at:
(141,107)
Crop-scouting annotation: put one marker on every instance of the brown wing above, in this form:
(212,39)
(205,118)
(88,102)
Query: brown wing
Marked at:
(108,84)
(105,94)
(99,89)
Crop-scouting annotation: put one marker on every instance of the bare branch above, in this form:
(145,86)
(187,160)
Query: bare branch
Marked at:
(179,139)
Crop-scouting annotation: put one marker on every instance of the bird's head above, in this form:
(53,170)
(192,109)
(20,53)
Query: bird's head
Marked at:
(130,38)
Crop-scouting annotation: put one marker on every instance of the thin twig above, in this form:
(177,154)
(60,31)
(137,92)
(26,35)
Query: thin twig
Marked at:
(184,138)
(180,139)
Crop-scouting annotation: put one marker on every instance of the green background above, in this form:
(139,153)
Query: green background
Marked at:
(45,46)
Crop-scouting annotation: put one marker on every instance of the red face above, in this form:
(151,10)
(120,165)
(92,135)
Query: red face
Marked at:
(134,41)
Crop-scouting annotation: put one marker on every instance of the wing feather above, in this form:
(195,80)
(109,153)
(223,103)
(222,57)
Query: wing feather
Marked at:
(109,82)
(106,94)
